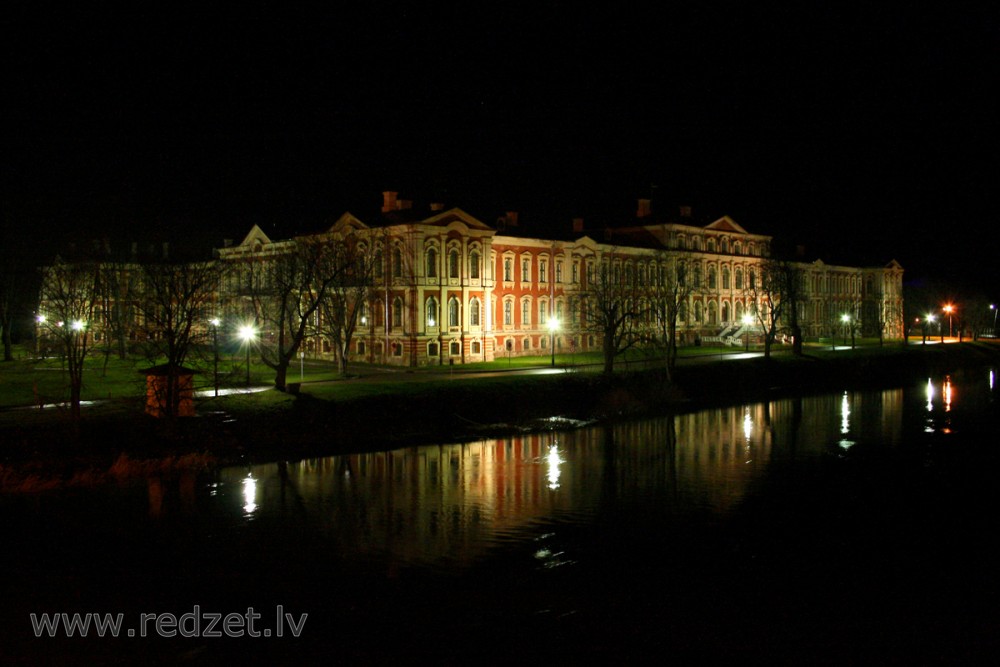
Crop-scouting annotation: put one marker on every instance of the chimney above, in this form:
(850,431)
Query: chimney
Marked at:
(404,204)
(578,225)
(685,211)
(644,209)
(389,201)
(437,206)
(512,218)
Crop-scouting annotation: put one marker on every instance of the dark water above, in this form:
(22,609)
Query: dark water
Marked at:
(851,528)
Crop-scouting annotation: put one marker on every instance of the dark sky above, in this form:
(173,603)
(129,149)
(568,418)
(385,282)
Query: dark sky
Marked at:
(866,132)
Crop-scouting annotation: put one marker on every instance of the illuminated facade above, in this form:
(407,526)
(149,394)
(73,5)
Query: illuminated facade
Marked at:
(447,288)
(450,289)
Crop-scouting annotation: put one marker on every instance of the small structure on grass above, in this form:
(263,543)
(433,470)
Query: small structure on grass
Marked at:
(169,391)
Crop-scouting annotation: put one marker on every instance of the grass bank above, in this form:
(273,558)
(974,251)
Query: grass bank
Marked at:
(115,439)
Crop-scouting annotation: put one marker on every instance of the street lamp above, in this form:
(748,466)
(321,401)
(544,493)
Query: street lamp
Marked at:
(993,307)
(215,322)
(846,319)
(930,318)
(553,326)
(38,334)
(247,334)
(747,321)
(948,309)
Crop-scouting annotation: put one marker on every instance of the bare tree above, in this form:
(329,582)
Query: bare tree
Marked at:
(119,300)
(610,305)
(774,290)
(348,293)
(18,284)
(286,289)
(668,291)
(66,309)
(177,301)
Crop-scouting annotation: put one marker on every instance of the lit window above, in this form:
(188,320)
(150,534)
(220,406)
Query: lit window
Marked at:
(474,312)
(432,263)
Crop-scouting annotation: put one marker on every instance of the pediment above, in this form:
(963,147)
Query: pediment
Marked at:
(346,222)
(457,215)
(727,224)
(256,236)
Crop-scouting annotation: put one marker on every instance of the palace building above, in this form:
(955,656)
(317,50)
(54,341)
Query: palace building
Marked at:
(447,288)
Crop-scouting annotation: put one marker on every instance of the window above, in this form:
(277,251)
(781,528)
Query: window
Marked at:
(378,264)
(525,312)
(576,272)
(739,278)
(474,265)
(508,313)
(432,263)
(525,270)
(454,349)
(453,312)
(543,312)
(397,312)
(559,272)
(432,312)
(453,264)
(397,349)
(474,312)
(397,263)
(725,277)
(543,271)
(432,349)
(476,348)
(508,269)
(711,278)
(361,348)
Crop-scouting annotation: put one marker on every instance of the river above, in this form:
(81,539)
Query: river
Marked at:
(846,528)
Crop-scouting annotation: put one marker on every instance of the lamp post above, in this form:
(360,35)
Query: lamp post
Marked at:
(747,321)
(247,334)
(948,309)
(40,320)
(553,326)
(993,307)
(215,353)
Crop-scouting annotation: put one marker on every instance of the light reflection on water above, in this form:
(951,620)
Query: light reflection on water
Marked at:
(751,512)
(457,502)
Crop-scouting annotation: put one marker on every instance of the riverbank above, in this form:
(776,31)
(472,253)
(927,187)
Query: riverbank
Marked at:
(116,441)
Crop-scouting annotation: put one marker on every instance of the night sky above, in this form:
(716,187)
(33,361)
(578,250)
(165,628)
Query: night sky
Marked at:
(867,133)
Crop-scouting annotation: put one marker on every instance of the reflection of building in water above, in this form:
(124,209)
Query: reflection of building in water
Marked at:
(455,501)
